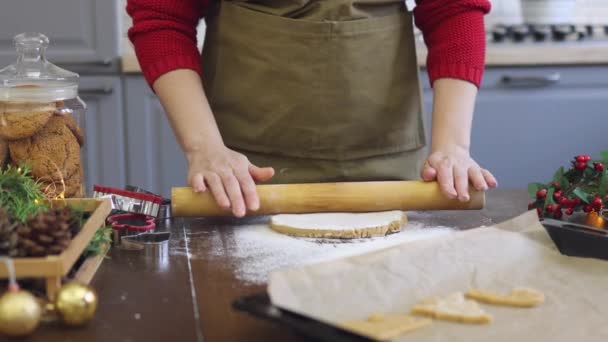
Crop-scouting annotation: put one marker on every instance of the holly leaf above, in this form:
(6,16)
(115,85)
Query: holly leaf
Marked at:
(559,175)
(584,196)
(549,199)
(602,189)
(604,155)
(588,173)
(534,187)
(565,184)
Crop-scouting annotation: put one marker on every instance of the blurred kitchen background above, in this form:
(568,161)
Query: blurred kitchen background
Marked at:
(544,97)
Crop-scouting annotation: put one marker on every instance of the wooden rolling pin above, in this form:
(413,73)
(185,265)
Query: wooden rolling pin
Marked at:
(330,197)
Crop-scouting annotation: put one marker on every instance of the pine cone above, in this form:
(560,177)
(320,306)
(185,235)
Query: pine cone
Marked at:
(8,235)
(67,215)
(48,233)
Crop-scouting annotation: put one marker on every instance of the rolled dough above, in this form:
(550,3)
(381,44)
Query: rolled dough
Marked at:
(386,327)
(454,307)
(339,225)
(519,297)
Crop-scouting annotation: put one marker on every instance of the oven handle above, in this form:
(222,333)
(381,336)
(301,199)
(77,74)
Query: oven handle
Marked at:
(530,81)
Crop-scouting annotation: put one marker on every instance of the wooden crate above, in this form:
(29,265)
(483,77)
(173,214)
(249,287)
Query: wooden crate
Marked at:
(53,268)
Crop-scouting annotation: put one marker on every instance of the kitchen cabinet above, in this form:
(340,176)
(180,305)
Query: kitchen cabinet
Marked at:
(84,34)
(530,121)
(155,161)
(103,124)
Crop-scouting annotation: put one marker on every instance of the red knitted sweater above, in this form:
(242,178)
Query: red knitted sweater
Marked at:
(164,36)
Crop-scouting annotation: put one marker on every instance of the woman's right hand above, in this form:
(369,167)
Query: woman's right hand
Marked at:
(229,176)
(213,167)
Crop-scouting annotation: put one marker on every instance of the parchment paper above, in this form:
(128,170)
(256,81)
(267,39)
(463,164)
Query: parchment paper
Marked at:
(518,252)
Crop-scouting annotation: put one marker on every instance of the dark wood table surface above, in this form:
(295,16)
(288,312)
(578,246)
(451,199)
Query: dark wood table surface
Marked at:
(173,297)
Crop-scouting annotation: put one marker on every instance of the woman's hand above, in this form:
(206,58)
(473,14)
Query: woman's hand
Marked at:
(454,169)
(450,162)
(229,176)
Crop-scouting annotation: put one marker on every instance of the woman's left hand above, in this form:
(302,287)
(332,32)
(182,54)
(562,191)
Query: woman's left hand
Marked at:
(454,169)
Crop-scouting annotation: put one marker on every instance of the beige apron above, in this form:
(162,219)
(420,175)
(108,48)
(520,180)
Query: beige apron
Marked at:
(321,90)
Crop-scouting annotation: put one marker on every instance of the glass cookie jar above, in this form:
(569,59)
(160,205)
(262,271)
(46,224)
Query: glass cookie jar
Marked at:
(40,116)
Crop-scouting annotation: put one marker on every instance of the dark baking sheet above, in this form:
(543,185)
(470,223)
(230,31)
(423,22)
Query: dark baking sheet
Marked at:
(260,307)
(579,240)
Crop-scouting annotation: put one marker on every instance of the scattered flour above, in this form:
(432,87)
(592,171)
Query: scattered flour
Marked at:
(256,250)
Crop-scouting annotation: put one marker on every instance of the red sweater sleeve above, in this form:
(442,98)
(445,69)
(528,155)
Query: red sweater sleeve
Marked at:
(164,35)
(454,34)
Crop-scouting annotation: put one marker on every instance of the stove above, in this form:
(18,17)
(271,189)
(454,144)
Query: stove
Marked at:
(539,33)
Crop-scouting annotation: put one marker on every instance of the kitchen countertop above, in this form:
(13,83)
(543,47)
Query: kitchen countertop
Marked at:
(498,55)
(177,297)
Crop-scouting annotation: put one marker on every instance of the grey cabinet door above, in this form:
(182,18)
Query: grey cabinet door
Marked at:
(82,32)
(155,161)
(103,124)
(524,131)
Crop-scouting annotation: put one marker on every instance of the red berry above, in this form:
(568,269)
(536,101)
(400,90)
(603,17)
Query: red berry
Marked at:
(541,193)
(549,208)
(569,211)
(586,158)
(530,205)
(557,185)
(588,209)
(598,166)
(564,201)
(558,214)
(579,159)
(580,165)
(557,195)
(539,211)
(597,203)
(577,201)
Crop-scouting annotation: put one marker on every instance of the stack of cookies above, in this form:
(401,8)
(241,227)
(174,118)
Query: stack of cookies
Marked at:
(46,138)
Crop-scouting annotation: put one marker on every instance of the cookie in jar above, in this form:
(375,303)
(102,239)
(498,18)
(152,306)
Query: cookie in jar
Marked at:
(40,113)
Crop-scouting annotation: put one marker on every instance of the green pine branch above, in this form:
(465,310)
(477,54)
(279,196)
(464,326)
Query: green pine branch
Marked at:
(20,194)
(98,243)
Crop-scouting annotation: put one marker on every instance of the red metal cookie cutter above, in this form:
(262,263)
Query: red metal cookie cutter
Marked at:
(129,201)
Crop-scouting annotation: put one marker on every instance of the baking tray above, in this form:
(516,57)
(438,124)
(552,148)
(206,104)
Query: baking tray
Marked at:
(578,240)
(259,306)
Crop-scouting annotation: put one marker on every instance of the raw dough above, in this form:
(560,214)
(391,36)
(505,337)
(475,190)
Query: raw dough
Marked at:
(454,307)
(519,296)
(339,225)
(386,327)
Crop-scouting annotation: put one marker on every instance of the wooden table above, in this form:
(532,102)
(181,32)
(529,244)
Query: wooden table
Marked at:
(177,298)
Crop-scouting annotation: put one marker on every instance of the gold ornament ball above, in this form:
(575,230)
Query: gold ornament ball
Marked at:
(76,304)
(19,313)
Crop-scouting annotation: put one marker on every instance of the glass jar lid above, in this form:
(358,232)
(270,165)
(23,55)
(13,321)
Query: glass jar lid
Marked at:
(34,79)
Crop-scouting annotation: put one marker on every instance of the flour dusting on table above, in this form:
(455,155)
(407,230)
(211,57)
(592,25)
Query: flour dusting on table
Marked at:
(256,250)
